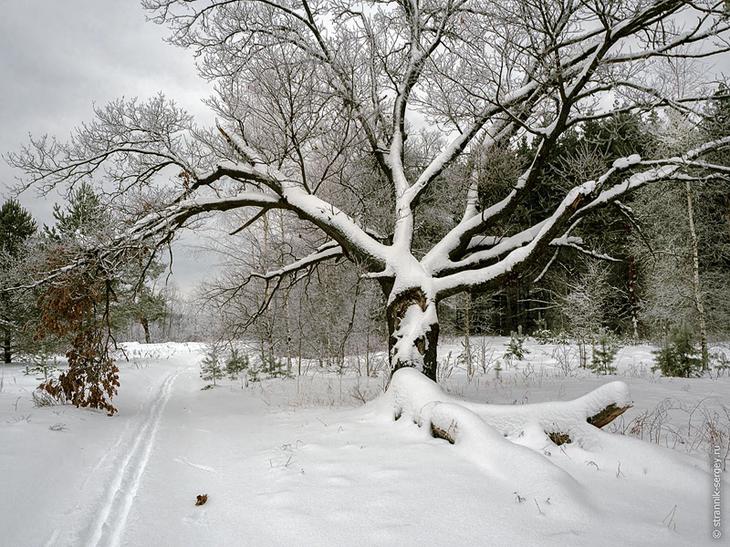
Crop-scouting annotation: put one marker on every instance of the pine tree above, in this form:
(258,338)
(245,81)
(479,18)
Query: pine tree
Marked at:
(83,218)
(16,228)
(236,365)
(77,310)
(605,347)
(516,350)
(44,366)
(211,369)
(679,356)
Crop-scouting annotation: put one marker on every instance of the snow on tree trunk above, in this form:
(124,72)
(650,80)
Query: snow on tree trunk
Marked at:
(413,331)
(696,286)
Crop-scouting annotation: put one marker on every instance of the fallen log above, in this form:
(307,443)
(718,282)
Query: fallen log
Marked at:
(410,392)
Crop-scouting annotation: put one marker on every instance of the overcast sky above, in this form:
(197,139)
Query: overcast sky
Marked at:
(59,57)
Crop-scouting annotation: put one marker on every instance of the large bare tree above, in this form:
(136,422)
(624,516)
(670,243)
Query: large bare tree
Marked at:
(317,99)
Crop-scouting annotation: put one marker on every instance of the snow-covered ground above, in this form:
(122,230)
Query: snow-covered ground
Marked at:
(303,462)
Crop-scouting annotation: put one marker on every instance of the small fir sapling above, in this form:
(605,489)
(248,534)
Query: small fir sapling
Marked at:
(679,356)
(274,367)
(605,347)
(44,367)
(516,350)
(211,368)
(237,365)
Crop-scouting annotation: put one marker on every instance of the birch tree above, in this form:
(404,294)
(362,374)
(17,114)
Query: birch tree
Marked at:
(318,100)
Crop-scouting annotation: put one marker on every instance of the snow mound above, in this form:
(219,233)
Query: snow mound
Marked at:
(510,443)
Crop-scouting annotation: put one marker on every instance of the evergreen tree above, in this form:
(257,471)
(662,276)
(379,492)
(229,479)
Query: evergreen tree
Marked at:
(16,228)
(83,222)
(605,348)
(679,356)
(236,364)
(211,368)
(83,218)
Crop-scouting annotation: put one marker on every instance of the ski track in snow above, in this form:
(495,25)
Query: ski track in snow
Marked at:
(109,525)
(111,453)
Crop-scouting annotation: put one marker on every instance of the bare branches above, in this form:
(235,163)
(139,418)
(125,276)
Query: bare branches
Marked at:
(128,142)
(316,101)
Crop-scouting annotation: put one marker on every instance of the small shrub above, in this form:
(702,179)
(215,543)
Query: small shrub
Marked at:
(274,367)
(211,368)
(679,356)
(445,368)
(720,362)
(516,350)
(42,398)
(236,364)
(542,334)
(605,348)
(497,371)
(43,367)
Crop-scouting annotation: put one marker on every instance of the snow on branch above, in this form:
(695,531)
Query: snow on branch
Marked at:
(667,169)
(454,283)
(577,244)
(570,210)
(326,252)
(128,141)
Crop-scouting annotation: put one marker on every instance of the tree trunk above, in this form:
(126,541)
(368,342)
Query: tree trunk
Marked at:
(413,332)
(467,338)
(146,327)
(632,276)
(7,346)
(697,289)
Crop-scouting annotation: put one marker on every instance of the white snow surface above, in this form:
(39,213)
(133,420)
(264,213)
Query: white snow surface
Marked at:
(302,462)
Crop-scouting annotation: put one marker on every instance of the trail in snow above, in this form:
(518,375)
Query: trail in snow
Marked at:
(111,519)
(330,472)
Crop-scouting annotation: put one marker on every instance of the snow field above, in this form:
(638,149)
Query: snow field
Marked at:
(303,462)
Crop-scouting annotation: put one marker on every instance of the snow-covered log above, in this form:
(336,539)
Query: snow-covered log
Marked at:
(415,397)
(510,443)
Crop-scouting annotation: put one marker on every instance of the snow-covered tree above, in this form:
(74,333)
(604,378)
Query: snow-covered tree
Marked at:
(682,240)
(16,228)
(211,367)
(585,306)
(318,105)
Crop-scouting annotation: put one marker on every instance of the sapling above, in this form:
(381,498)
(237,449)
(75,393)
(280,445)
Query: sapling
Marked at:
(679,356)
(516,350)
(605,347)
(211,368)
(236,365)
